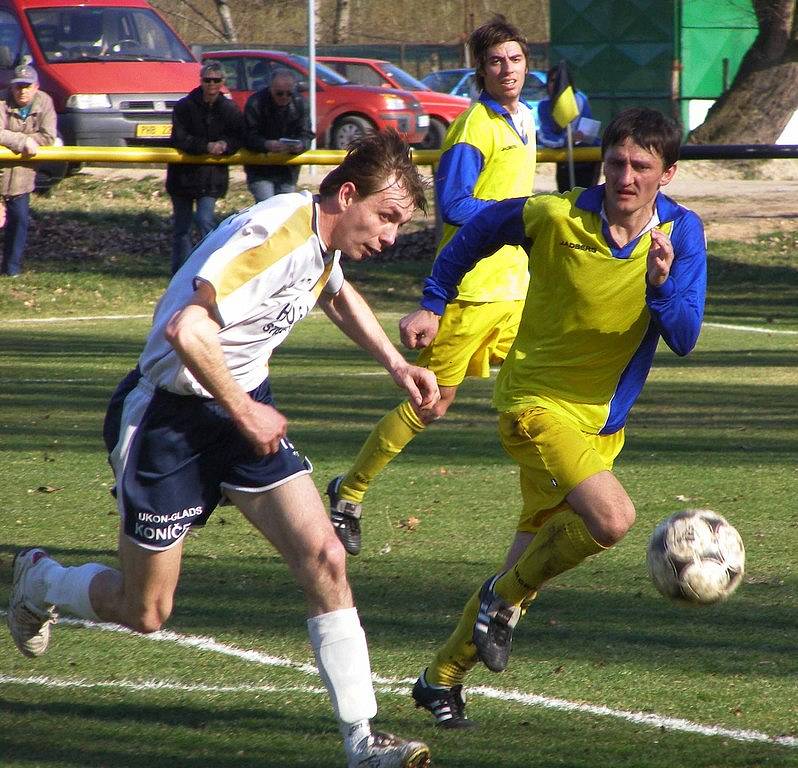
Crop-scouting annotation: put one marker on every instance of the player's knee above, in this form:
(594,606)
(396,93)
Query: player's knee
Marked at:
(330,561)
(148,618)
(617,524)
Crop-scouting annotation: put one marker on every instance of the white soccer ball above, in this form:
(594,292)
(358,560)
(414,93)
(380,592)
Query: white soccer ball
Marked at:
(696,556)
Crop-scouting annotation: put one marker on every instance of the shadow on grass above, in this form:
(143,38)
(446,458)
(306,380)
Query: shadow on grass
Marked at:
(121,731)
(256,597)
(331,415)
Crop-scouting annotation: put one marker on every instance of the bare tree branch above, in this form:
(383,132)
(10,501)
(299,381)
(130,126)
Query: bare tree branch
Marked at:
(203,23)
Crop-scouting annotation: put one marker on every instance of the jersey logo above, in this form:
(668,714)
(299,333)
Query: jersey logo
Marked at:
(578,246)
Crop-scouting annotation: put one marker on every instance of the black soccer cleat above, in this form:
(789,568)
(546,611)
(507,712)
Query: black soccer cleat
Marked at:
(493,628)
(345,517)
(447,705)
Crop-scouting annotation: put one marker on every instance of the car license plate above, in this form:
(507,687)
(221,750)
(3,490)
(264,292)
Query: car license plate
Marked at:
(153,131)
(423,121)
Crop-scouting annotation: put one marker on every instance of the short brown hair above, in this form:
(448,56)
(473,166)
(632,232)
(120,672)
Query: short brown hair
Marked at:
(648,128)
(498,30)
(371,161)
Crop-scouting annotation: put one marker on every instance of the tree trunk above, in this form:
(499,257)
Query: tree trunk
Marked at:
(764,94)
(342,20)
(227,21)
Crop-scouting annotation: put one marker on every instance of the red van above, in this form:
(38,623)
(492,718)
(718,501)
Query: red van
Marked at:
(114,68)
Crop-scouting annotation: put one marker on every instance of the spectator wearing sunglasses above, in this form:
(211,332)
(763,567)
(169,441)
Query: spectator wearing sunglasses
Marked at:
(276,119)
(203,123)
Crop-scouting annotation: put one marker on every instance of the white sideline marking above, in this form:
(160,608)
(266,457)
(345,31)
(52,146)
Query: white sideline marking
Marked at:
(86,318)
(385,315)
(751,329)
(386,685)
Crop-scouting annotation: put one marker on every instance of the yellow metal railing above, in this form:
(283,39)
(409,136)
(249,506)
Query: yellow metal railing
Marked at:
(244,157)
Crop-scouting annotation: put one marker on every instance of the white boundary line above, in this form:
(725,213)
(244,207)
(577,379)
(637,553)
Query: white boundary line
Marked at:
(385,685)
(386,315)
(751,329)
(77,319)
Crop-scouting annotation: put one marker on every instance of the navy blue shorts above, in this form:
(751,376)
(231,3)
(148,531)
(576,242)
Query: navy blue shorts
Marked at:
(174,456)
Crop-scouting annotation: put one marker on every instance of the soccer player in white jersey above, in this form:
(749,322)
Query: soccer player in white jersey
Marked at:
(194,423)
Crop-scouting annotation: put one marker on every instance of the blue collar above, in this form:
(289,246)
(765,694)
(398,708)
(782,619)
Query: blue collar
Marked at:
(592,200)
(491,103)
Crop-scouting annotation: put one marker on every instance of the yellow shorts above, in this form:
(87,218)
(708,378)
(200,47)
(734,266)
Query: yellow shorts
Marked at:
(554,456)
(471,337)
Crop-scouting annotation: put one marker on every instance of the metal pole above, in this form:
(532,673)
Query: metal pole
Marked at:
(571,173)
(312,68)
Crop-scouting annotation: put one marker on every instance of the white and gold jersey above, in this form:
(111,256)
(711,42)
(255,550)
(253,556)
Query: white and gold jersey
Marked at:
(267,266)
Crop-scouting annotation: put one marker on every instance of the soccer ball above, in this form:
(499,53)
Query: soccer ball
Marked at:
(696,556)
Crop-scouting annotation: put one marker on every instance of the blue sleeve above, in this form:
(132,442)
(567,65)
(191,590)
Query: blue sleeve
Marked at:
(455,179)
(677,306)
(584,107)
(549,133)
(499,224)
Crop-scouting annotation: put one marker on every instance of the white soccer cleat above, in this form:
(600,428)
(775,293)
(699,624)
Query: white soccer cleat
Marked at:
(30,626)
(384,750)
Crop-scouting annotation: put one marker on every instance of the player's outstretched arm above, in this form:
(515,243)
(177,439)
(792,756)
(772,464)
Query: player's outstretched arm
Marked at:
(350,312)
(193,332)
(499,224)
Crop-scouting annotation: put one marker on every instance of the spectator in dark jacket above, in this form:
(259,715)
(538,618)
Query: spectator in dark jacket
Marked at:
(272,114)
(203,123)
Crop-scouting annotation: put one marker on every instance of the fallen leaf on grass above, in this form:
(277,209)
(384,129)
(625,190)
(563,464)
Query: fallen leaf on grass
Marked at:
(411,524)
(48,489)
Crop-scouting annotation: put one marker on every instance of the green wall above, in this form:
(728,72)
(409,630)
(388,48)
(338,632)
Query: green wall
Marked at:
(623,52)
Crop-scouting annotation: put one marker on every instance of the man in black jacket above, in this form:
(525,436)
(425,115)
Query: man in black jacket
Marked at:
(203,123)
(271,115)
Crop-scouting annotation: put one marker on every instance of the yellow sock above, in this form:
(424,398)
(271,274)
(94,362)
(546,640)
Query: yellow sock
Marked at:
(386,441)
(459,654)
(562,542)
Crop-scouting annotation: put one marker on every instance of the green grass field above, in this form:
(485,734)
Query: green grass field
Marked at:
(605,673)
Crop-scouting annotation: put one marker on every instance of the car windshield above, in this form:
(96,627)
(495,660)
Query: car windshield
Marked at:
(443,81)
(406,81)
(323,73)
(81,33)
(534,89)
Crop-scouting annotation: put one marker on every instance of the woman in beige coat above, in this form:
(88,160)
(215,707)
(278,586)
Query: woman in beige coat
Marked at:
(27,121)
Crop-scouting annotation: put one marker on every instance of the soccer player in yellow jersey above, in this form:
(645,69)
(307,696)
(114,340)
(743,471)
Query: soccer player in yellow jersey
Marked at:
(614,267)
(488,155)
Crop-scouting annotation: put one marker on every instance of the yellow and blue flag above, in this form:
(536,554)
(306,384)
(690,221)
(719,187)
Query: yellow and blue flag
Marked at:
(563,100)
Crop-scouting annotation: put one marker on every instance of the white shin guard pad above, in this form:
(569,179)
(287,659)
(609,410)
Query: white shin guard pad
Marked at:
(342,657)
(69,592)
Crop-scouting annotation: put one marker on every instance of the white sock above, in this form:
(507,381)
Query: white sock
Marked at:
(67,588)
(355,736)
(342,658)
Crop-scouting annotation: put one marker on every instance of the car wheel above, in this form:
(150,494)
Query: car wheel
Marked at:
(435,134)
(347,129)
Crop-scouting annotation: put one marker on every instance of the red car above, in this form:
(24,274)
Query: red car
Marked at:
(441,107)
(344,111)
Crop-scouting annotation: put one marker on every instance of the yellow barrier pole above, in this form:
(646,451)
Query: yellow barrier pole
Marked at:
(244,157)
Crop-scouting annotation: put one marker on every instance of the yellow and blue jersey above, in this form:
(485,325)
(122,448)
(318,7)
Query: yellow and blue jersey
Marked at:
(486,158)
(591,322)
